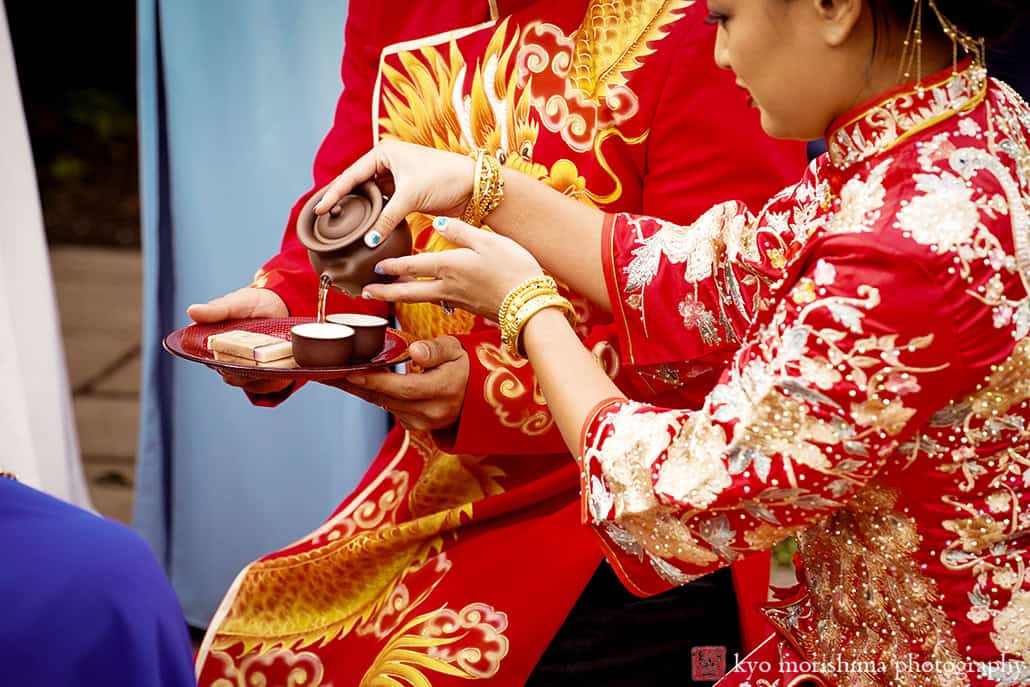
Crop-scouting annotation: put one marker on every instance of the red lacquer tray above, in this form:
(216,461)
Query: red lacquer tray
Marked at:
(191,343)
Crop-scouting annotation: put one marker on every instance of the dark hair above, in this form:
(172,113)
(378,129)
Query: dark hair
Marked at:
(987,19)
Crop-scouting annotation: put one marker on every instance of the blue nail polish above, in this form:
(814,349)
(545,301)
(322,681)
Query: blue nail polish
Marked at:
(366,295)
(373,238)
(440,224)
(378,270)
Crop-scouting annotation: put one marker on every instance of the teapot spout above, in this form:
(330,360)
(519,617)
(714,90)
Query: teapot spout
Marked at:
(325,281)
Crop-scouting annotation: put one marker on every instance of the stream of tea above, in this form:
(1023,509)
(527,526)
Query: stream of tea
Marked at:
(323,292)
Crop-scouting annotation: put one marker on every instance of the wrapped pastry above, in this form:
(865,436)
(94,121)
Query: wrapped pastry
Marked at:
(252,346)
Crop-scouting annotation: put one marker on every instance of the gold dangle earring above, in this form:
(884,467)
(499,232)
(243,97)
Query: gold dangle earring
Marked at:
(970,46)
(912,49)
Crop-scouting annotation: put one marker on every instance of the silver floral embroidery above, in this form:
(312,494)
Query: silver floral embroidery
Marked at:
(671,573)
(627,456)
(861,201)
(825,273)
(697,317)
(944,215)
(692,246)
(624,540)
(694,472)
(600,500)
(1022,320)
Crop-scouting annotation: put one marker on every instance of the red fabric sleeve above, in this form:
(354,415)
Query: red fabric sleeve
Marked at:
(653,267)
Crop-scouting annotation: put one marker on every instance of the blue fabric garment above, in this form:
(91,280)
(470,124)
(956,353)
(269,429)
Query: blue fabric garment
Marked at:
(233,101)
(84,601)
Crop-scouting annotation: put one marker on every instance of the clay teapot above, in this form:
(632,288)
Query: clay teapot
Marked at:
(335,240)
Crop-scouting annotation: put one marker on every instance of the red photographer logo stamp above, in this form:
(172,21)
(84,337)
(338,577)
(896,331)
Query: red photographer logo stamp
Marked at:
(707,663)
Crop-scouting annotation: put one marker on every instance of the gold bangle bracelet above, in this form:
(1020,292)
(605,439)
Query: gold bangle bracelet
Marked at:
(487,187)
(541,282)
(524,297)
(469,215)
(509,328)
(517,297)
(530,309)
(494,192)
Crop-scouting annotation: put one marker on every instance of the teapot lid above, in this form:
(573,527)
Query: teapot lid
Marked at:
(345,223)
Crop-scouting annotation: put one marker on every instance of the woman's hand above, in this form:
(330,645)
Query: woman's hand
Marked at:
(417,179)
(475,277)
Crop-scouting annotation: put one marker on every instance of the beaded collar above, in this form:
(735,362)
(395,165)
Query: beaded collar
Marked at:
(881,124)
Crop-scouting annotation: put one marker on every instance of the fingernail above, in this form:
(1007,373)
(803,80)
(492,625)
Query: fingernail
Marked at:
(373,239)
(367,296)
(440,224)
(423,350)
(378,270)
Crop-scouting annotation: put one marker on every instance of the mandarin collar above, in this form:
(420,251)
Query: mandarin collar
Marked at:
(886,120)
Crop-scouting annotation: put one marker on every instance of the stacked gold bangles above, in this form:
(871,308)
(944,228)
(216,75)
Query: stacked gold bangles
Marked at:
(487,188)
(534,294)
(525,301)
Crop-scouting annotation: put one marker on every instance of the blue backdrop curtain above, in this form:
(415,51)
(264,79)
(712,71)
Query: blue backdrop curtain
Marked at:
(234,98)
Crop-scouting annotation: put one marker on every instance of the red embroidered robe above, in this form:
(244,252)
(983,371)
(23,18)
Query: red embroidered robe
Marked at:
(459,555)
(875,400)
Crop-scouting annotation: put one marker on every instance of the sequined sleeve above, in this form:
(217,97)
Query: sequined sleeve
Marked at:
(847,360)
(689,292)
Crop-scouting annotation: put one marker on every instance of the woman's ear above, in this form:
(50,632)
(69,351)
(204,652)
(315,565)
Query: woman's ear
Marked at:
(837,19)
